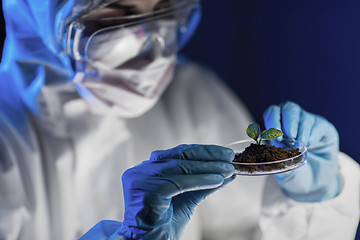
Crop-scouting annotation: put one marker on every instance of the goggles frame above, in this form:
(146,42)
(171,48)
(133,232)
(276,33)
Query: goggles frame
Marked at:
(81,31)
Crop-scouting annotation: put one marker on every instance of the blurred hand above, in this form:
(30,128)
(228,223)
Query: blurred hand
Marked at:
(162,193)
(317,180)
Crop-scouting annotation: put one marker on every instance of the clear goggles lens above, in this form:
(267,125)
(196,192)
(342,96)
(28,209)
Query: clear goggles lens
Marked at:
(131,38)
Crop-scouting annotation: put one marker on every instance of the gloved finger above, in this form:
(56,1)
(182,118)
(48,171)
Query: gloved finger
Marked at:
(148,199)
(201,195)
(323,132)
(290,118)
(194,199)
(182,167)
(307,121)
(272,117)
(195,152)
(228,180)
(171,186)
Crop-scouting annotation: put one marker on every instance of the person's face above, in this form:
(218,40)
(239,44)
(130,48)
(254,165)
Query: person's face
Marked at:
(122,8)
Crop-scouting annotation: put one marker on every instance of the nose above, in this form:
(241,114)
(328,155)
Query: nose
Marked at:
(146,6)
(158,45)
(152,49)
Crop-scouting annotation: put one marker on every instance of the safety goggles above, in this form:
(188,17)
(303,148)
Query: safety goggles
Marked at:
(152,30)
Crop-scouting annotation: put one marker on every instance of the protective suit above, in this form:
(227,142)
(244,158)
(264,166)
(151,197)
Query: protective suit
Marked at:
(61,164)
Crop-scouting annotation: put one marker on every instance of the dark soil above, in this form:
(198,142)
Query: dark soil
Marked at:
(264,154)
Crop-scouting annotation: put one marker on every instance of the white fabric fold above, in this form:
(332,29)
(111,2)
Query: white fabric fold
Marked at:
(332,219)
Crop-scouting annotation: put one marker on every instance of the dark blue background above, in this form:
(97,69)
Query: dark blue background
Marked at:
(271,51)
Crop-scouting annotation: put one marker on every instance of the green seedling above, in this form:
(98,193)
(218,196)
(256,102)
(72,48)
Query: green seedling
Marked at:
(255,133)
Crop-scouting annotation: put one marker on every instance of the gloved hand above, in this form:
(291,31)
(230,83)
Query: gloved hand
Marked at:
(318,180)
(162,193)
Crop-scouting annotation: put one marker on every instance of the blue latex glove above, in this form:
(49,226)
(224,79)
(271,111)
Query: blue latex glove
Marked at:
(162,193)
(318,180)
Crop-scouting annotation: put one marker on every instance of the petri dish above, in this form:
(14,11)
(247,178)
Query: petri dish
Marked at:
(266,168)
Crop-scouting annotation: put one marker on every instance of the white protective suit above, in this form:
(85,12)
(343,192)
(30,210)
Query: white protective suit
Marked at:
(61,166)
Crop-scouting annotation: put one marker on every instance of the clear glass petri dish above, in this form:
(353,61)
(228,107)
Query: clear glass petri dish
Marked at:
(266,168)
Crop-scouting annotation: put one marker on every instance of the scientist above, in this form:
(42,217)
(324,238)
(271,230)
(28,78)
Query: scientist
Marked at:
(88,91)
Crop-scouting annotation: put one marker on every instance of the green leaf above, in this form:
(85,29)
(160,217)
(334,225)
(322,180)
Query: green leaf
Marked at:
(271,133)
(253,131)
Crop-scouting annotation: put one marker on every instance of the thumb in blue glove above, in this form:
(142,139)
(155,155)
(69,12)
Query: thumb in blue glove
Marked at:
(318,180)
(162,193)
